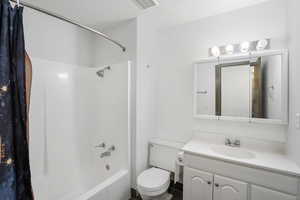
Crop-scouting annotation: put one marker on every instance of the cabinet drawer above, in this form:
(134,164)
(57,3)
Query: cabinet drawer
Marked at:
(287,184)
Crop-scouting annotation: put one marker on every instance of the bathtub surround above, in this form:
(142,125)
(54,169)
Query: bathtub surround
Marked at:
(89,106)
(125,32)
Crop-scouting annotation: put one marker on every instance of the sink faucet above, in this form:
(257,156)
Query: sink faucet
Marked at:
(236,143)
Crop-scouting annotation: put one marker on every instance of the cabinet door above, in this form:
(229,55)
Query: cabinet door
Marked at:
(197,185)
(260,193)
(229,189)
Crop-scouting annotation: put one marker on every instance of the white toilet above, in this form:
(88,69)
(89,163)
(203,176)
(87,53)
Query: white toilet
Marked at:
(153,183)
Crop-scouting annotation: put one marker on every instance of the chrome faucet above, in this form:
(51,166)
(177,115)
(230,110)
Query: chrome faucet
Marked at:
(108,152)
(105,154)
(112,148)
(236,143)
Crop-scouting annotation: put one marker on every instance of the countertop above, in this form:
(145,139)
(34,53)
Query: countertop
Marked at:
(275,162)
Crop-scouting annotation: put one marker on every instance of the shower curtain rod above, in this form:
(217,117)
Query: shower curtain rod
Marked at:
(52,14)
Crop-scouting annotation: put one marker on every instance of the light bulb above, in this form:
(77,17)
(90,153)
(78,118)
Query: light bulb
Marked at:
(262,44)
(215,51)
(229,49)
(244,47)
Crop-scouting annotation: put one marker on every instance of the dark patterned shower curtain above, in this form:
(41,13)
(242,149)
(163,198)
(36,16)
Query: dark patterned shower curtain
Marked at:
(15,178)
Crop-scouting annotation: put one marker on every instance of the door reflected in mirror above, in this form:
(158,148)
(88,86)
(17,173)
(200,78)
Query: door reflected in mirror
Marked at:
(233,90)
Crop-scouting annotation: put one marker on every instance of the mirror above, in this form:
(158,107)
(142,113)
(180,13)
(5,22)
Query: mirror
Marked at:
(250,89)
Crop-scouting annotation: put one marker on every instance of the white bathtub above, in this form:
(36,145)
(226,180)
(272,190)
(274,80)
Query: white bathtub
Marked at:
(116,187)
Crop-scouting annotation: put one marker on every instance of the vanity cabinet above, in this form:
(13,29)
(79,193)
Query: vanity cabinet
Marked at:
(197,185)
(229,189)
(200,185)
(210,179)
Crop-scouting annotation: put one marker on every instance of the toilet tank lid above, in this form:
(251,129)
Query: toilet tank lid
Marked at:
(168,143)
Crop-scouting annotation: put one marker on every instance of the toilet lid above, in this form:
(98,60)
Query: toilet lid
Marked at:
(153,179)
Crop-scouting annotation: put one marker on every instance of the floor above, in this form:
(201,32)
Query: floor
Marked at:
(177,194)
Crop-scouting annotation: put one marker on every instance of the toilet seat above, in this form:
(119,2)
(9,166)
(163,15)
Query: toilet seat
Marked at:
(153,181)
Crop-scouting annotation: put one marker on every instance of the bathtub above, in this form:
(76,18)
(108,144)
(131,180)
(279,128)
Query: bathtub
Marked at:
(116,187)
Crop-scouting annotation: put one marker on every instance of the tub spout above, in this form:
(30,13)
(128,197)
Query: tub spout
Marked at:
(105,154)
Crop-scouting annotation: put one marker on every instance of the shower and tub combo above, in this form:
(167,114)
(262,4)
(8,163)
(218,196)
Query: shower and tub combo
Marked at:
(80,131)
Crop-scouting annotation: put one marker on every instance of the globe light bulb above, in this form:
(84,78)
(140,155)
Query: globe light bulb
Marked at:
(229,49)
(215,51)
(244,47)
(262,44)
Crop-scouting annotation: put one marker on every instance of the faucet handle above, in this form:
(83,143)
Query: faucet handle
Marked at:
(102,145)
(237,143)
(227,141)
(112,148)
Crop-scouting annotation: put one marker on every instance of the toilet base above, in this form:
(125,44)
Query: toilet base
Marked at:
(165,196)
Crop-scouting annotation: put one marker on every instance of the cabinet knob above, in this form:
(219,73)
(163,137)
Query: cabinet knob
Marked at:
(217,185)
(209,182)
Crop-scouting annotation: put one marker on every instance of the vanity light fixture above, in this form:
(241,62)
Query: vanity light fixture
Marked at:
(262,45)
(229,49)
(215,51)
(245,47)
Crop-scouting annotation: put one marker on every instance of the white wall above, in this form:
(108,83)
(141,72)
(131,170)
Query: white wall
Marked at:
(51,39)
(106,52)
(294,46)
(146,88)
(182,45)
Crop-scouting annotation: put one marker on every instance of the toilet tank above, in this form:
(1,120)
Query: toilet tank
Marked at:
(163,153)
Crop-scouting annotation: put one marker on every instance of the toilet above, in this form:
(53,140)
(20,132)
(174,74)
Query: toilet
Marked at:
(153,183)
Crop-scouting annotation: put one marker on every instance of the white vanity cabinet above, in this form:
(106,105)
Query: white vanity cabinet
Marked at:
(212,179)
(199,185)
(229,189)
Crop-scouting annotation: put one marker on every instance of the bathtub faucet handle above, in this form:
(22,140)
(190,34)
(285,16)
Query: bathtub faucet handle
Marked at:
(112,148)
(102,145)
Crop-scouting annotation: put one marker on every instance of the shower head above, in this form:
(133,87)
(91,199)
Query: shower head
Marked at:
(100,73)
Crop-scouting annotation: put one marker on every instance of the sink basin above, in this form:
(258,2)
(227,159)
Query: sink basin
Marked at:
(233,152)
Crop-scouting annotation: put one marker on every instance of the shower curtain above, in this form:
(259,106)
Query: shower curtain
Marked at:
(15,177)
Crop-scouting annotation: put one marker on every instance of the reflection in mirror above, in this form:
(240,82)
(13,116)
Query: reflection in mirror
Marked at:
(232,89)
(245,89)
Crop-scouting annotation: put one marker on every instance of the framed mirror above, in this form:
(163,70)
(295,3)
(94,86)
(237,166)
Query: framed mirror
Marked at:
(252,87)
